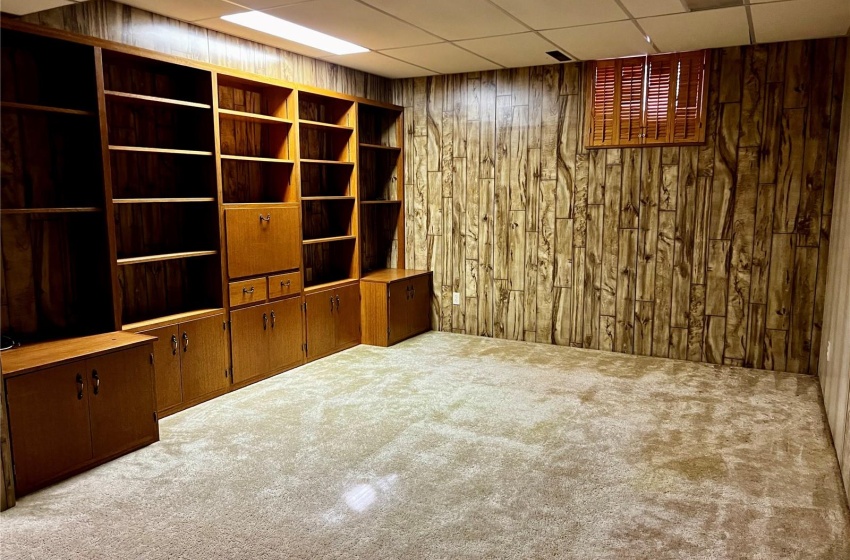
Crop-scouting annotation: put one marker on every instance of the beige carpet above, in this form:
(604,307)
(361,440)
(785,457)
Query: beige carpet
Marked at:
(449,446)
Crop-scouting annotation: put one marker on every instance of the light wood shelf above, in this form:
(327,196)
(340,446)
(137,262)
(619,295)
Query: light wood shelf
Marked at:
(329,239)
(380,202)
(151,100)
(380,147)
(325,162)
(324,126)
(164,257)
(69,210)
(255,158)
(252,117)
(326,285)
(148,324)
(160,150)
(12,105)
(325,198)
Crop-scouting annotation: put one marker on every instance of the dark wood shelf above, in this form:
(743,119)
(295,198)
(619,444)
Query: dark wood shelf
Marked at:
(161,200)
(12,105)
(325,198)
(330,284)
(251,117)
(324,126)
(380,147)
(151,100)
(380,202)
(164,257)
(329,239)
(255,158)
(160,150)
(69,210)
(171,319)
(325,162)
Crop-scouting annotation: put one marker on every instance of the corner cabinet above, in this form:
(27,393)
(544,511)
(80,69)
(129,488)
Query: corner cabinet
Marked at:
(395,305)
(333,320)
(76,403)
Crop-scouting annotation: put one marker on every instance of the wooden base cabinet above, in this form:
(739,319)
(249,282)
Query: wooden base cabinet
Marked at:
(68,417)
(266,339)
(395,305)
(333,320)
(191,362)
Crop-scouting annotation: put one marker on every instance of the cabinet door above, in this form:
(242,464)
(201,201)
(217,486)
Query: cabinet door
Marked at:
(121,397)
(399,311)
(347,307)
(203,357)
(49,423)
(320,323)
(286,334)
(420,304)
(249,339)
(169,387)
(262,240)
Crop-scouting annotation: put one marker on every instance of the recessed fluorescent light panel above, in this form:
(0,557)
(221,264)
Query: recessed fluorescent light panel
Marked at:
(265,23)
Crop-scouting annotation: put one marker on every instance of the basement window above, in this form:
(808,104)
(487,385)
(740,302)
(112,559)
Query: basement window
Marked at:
(647,100)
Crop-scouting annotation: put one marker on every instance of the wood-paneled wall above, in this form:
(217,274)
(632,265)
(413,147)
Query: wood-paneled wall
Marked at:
(139,28)
(714,253)
(835,372)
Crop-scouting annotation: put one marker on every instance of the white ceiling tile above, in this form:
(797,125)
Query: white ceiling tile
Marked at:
(443,58)
(355,22)
(377,63)
(605,40)
(186,10)
(219,24)
(512,51)
(800,19)
(698,30)
(264,4)
(23,7)
(549,14)
(647,8)
(452,19)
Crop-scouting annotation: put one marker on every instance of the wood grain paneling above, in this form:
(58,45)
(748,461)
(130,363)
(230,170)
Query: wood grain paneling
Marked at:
(712,253)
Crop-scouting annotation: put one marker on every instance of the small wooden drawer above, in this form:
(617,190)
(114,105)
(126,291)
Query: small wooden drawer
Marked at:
(248,291)
(282,285)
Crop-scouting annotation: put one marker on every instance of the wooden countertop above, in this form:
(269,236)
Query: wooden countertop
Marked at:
(27,358)
(393,274)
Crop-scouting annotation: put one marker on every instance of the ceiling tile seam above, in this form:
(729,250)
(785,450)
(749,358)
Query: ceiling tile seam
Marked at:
(422,29)
(685,6)
(536,32)
(476,54)
(406,62)
(637,25)
(752,28)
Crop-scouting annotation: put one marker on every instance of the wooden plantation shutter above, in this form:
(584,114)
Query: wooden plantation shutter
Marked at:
(660,93)
(689,109)
(658,99)
(602,107)
(631,100)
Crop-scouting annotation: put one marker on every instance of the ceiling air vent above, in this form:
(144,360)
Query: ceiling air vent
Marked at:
(559,56)
(703,5)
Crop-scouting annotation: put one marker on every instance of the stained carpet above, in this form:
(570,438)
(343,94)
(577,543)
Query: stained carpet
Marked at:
(449,446)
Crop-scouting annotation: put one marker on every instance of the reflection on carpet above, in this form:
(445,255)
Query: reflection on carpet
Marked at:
(451,446)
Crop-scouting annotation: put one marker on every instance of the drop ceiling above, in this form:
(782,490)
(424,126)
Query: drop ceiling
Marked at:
(423,37)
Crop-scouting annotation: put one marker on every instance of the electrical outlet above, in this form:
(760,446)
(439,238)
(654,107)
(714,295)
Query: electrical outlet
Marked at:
(828,349)
(456,298)
(308,273)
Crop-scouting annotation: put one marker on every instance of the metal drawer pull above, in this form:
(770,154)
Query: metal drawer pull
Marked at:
(185,341)
(332,304)
(80,386)
(273,318)
(285,284)
(266,218)
(96,378)
(247,291)
(173,344)
(265,320)
(337,303)
(408,293)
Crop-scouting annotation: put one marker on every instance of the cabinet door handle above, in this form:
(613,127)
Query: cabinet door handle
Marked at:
(96,379)
(285,284)
(247,291)
(412,292)
(266,218)
(337,303)
(185,341)
(273,318)
(173,344)
(332,304)
(407,294)
(265,320)
(80,386)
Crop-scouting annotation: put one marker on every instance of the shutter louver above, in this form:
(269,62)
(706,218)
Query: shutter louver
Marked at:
(631,100)
(690,90)
(602,117)
(659,97)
